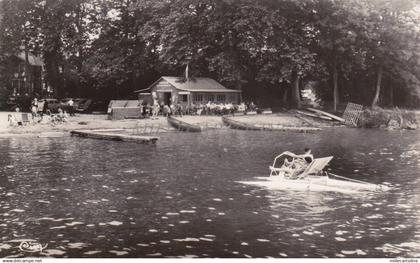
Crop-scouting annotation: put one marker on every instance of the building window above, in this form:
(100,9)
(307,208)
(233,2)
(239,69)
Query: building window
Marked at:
(198,97)
(209,97)
(183,98)
(233,98)
(221,98)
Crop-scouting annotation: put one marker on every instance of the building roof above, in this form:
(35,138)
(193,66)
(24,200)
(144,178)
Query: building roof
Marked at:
(33,60)
(193,85)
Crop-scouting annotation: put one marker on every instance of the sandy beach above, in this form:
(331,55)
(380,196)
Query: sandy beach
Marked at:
(138,126)
(80,122)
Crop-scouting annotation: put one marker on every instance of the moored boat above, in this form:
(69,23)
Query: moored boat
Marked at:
(182,125)
(109,135)
(240,125)
(234,124)
(312,178)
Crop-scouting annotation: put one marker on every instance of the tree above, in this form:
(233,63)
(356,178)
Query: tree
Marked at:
(336,29)
(110,48)
(217,38)
(19,30)
(393,41)
(123,52)
(285,51)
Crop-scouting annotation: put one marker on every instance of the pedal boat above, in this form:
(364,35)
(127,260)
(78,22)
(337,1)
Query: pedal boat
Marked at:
(313,178)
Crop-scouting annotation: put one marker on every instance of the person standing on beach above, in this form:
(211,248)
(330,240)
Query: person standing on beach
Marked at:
(155,109)
(34,108)
(71,107)
(18,117)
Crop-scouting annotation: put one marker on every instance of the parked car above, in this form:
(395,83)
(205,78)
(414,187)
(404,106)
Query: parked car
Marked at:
(92,106)
(83,105)
(98,106)
(11,103)
(54,105)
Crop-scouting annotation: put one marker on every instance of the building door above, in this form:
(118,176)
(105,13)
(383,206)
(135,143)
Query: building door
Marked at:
(167,98)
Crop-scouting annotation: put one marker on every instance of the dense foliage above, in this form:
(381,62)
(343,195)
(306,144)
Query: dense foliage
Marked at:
(365,51)
(392,119)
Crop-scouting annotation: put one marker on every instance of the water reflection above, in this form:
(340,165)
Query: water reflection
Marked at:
(179,198)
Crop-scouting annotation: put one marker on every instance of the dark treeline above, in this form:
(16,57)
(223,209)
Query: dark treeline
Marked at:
(365,51)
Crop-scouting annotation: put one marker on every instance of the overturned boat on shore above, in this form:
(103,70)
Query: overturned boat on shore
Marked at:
(239,125)
(110,134)
(312,178)
(183,126)
(234,124)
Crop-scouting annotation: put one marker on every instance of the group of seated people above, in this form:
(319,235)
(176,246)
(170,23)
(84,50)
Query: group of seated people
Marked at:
(19,119)
(210,108)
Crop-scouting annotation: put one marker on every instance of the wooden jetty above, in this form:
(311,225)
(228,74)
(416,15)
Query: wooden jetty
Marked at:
(182,125)
(108,135)
(264,127)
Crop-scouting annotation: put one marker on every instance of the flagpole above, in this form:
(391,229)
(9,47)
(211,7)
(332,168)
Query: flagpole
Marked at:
(186,71)
(187,79)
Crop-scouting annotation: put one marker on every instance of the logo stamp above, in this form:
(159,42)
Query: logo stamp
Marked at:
(31,246)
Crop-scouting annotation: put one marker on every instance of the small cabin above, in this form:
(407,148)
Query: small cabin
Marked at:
(124,109)
(194,91)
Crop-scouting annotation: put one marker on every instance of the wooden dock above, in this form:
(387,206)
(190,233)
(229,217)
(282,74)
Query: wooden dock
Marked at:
(107,135)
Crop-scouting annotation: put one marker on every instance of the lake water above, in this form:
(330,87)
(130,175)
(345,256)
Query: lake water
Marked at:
(180,197)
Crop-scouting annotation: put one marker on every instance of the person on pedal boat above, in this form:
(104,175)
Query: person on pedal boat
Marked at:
(307,157)
(299,162)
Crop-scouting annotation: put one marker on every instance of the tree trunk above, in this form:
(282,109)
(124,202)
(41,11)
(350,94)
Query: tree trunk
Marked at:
(238,86)
(378,87)
(79,73)
(335,87)
(80,55)
(295,90)
(28,75)
(300,89)
(53,77)
(286,96)
(51,51)
(285,87)
(391,95)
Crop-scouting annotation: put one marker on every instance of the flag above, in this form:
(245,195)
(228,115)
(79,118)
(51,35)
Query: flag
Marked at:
(186,71)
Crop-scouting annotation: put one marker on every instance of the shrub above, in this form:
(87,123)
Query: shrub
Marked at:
(390,119)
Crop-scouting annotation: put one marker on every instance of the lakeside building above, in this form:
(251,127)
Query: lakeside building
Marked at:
(24,80)
(195,91)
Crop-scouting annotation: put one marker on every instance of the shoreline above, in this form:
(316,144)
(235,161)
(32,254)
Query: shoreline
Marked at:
(138,126)
(151,126)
